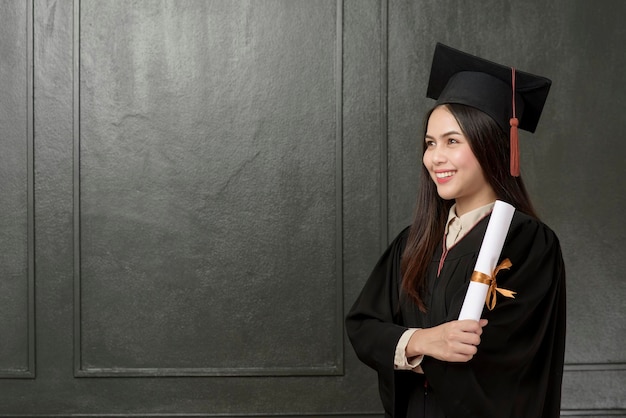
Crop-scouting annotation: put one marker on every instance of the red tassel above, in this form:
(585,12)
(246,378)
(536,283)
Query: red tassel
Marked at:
(514,140)
(514,148)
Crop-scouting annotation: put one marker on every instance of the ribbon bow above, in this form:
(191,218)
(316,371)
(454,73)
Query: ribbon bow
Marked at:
(490,281)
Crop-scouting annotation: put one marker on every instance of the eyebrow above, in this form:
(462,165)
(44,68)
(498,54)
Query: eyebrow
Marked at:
(444,135)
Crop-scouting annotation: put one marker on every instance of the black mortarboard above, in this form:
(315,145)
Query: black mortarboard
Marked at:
(458,77)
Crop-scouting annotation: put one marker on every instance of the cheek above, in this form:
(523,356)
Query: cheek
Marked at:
(473,168)
(467,159)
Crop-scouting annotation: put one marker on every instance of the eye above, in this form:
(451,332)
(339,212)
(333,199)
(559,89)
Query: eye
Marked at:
(429,143)
(453,141)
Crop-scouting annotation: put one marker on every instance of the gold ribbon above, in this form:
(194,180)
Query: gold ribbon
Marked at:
(490,281)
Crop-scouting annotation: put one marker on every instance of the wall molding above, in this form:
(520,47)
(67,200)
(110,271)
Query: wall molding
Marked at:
(29,371)
(564,412)
(596,367)
(593,412)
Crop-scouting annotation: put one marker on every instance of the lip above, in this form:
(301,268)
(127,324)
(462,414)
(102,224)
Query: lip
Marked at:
(444,176)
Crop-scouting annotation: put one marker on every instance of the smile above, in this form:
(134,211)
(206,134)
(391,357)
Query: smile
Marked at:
(444,174)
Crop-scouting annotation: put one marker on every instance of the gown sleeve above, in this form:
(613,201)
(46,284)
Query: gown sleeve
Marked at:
(517,371)
(373,323)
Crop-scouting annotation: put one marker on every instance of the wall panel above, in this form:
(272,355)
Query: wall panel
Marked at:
(208,189)
(16,196)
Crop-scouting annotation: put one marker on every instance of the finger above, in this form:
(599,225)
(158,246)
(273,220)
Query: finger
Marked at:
(472,339)
(469,325)
(461,357)
(468,340)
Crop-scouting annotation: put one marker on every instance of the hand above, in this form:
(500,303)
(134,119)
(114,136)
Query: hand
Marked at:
(454,341)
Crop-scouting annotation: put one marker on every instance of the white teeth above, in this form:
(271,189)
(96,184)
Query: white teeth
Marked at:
(444,174)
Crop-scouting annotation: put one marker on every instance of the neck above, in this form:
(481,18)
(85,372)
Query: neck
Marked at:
(463,206)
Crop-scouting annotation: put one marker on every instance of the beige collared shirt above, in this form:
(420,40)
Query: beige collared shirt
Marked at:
(456,228)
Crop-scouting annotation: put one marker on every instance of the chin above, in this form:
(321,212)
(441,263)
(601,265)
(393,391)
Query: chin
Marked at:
(446,195)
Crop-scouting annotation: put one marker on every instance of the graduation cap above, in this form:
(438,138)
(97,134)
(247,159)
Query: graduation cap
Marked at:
(512,98)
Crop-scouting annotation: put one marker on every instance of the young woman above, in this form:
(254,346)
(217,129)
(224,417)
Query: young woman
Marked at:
(404,323)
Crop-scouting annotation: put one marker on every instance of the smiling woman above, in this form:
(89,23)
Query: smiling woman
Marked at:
(404,323)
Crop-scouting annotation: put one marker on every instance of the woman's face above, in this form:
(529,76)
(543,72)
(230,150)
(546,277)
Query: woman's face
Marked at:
(452,164)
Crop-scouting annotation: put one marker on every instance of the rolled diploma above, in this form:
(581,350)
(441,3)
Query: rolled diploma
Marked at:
(488,256)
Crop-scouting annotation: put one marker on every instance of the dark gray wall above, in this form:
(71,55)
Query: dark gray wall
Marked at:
(193,193)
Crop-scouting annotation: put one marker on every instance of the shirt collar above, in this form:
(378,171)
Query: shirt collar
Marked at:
(466,221)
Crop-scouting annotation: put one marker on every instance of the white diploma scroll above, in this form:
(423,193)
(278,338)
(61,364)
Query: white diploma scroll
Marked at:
(488,256)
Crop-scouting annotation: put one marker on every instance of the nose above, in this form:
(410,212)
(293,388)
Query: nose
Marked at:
(438,155)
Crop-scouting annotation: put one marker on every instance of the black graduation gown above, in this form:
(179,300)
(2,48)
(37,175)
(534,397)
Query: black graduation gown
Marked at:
(517,371)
